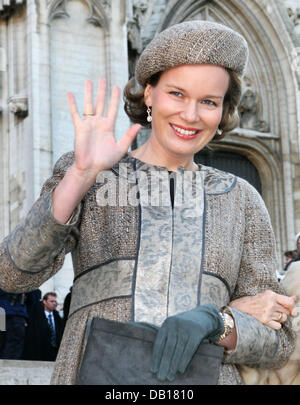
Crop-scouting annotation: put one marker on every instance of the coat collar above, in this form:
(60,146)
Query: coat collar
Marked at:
(215,181)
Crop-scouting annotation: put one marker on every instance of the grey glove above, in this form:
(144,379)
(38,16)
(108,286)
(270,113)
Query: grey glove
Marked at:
(179,337)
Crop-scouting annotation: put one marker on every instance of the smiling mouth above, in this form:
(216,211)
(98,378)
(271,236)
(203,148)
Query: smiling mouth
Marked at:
(183,132)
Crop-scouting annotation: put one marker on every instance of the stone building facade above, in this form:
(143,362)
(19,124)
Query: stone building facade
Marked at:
(49,47)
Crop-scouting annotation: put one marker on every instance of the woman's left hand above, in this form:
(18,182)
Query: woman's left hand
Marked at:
(268,307)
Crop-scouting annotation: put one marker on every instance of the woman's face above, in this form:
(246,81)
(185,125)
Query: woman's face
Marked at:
(187,107)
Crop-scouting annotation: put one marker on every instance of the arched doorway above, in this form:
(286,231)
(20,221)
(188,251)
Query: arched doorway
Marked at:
(231,162)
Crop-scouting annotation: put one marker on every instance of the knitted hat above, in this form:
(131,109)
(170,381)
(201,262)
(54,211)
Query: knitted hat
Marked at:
(193,42)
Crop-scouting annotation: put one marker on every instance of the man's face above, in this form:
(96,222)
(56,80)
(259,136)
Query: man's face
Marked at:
(50,303)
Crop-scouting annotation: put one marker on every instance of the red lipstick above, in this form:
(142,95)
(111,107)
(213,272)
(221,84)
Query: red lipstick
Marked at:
(194,132)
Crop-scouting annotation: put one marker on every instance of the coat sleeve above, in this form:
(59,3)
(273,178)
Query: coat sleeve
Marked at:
(258,345)
(34,251)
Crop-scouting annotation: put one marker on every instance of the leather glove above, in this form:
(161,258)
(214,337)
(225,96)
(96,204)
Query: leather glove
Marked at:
(179,337)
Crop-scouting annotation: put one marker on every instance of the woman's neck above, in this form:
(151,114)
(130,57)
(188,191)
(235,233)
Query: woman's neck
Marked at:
(146,153)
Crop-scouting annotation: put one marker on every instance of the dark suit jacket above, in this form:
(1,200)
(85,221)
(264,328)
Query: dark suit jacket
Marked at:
(37,340)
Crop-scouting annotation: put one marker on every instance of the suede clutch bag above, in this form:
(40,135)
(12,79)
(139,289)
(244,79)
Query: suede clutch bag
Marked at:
(119,353)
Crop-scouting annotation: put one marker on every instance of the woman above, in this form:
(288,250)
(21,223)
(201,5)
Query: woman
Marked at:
(143,256)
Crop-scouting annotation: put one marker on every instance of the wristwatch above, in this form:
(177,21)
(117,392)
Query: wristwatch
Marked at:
(228,324)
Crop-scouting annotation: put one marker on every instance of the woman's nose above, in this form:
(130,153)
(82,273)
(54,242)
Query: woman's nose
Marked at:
(191,112)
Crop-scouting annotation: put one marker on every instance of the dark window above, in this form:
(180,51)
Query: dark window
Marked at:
(231,162)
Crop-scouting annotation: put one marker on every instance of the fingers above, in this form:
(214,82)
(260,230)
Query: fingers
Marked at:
(287,302)
(129,136)
(88,108)
(187,355)
(158,349)
(279,309)
(100,102)
(112,109)
(73,108)
(277,302)
(167,357)
(294,312)
(278,318)
(274,325)
(88,98)
(177,356)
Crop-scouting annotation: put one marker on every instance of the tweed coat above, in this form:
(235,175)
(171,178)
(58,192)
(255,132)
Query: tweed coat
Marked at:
(136,258)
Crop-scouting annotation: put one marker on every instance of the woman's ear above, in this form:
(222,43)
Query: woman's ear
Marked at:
(148,95)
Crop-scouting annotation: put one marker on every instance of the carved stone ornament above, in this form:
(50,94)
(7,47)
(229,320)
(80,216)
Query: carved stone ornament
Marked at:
(57,9)
(134,36)
(7,7)
(106,6)
(18,105)
(141,12)
(294,15)
(140,8)
(100,11)
(249,112)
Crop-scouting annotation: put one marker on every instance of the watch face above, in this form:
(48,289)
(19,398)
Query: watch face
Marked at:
(229,320)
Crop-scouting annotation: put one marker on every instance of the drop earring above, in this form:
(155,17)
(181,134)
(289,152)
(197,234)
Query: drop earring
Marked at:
(219,131)
(149,116)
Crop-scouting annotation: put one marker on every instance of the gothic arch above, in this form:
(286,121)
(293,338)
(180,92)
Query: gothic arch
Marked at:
(99,11)
(269,169)
(272,76)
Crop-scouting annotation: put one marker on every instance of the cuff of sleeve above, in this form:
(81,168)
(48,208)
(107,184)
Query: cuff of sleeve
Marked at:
(256,344)
(39,238)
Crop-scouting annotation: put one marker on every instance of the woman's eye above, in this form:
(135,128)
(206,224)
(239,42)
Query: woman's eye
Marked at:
(209,102)
(176,93)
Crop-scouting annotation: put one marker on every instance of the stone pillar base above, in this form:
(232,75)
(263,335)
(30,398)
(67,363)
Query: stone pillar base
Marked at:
(23,372)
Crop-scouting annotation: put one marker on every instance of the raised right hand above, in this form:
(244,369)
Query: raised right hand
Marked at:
(96,149)
(95,145)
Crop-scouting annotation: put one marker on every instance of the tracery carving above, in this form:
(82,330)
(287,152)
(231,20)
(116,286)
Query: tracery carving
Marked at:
(18,105)
(106,6)
(8,7)
(99,11)
(294,15)
(57,9)
(140,14)
(249,112)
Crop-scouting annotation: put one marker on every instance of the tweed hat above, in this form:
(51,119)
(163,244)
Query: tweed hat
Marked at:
(193,42)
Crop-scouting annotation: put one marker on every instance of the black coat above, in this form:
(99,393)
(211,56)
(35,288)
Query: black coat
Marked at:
(37,340)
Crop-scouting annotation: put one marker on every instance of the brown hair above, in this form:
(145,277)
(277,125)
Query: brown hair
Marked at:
(45,297)
(136,109)
(292,254)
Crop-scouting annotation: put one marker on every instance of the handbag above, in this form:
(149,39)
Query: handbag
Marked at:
(119,353)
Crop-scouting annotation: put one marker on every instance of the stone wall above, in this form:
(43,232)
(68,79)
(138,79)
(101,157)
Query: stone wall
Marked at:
(14,372)
(51,47)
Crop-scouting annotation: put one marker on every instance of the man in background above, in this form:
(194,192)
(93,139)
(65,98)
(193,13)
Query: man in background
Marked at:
(44,331)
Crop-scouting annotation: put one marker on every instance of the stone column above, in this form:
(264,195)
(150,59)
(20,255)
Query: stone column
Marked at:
(86,40)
